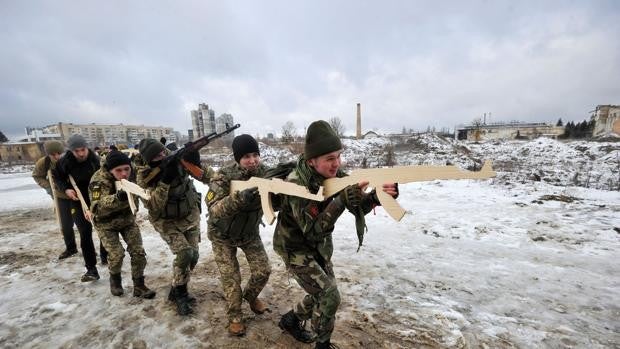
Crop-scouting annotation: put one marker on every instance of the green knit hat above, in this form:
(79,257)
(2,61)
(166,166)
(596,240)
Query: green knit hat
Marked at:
(53,147)
(320,139)
(149,148)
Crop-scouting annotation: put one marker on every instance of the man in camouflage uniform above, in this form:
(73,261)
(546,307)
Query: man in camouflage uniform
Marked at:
(233,222)
(174,212)
(112,217)
(81,163)
(303,235)
(54,149)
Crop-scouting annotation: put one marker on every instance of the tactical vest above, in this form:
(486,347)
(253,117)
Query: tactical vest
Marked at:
(182,198)
(242,227)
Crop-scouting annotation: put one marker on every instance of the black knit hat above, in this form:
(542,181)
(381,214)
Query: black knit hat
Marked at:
(115,159)
(149,148)
(244,144)
(320,139)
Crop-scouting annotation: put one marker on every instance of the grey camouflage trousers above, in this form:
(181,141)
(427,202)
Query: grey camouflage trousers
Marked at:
(317,278)
(230,275)
(110,238)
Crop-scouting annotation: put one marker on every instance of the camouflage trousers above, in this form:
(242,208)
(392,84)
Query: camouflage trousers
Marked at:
(182,236)
(317,278)
(110,238)
(230,275)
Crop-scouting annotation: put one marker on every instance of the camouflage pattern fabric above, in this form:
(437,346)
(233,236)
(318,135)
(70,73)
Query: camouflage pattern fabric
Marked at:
(230,221)
(233,224)
(112,217)
(181,234)
(303,239)
(226,259)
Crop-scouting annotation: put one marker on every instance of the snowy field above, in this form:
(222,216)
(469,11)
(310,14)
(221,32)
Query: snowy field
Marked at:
(472,264)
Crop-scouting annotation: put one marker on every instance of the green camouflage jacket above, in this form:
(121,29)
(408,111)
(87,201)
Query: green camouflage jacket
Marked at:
(230,221)
(305,226)
(108,211)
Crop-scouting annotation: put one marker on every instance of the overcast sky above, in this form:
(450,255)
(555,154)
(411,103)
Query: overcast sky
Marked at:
(409,63)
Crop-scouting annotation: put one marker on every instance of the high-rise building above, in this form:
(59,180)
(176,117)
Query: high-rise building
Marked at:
(204,121)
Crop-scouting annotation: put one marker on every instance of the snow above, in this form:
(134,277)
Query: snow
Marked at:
(488,263)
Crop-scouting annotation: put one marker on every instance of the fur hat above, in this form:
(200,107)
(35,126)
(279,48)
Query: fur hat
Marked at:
(149,148)
(53,147)
(76,141)
(244,144)
(116,158)
(320,139)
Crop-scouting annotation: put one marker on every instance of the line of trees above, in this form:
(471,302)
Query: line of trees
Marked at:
(581,129)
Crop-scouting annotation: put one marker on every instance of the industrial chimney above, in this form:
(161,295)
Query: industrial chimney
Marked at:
(358,133)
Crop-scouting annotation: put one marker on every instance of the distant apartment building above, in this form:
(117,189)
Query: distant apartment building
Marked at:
(509,130)
(204,122)
(607,120)
(101,135)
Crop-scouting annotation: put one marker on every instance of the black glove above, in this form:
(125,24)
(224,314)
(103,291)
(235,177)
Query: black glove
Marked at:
(193,157)
(170,172)
(121,195)
(351,197)
(248,195)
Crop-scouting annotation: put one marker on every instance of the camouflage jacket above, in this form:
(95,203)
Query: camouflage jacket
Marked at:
(108,211)
(304,227)
(178,197)
(230,221)
(39,174)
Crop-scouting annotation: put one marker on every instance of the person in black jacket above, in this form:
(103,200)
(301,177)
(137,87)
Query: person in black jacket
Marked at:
(81,163)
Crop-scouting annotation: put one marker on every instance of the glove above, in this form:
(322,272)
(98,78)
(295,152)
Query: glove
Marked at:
(121,195)
(170,172)
(248,195)
(193,157)
(351,197)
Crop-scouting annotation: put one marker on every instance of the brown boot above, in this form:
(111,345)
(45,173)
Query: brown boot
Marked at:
(236,327)
(258,306)
(140,290)
(116,286)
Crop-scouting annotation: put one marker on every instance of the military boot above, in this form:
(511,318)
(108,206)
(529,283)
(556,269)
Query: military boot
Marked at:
(91,275)
(258,306)
(116,286)
(191,299)
(325,345)
(291,324)
(236,327)
(179,297)
(140,289)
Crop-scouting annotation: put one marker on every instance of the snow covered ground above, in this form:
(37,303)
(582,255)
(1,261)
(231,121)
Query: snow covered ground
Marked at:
(500,263)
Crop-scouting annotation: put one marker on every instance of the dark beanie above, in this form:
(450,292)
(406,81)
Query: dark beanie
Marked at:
(53,147)
(116,158)
(150,148)
(76,141)
(320,139)
(244,144)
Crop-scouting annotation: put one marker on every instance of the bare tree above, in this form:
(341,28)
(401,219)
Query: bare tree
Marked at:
(337,125)
(288,132)
(476,123)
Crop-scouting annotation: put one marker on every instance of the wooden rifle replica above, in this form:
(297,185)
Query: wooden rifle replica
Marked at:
(85,208)
(196,145)
(376,178)
(276,186)
(51,180)
(132,189)
(402,174)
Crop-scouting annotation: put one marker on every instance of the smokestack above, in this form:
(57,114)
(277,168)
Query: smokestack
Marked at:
(358,133)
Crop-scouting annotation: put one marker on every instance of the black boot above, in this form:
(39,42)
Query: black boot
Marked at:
(291,324)
(67,254)
(325,345)
(179,297)
(90,275)
(140,290)
(116,286)
(190,298)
